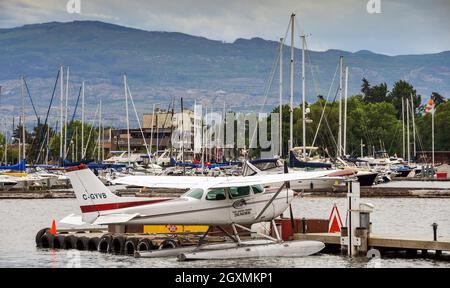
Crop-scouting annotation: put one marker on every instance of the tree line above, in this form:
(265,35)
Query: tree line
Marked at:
(374,117)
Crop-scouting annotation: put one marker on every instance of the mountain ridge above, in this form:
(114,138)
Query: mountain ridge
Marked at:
(161,65)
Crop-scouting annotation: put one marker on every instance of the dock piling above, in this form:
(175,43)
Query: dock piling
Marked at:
(434,225)
(304,225)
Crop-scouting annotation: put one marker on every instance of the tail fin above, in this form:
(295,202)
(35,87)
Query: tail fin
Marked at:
(94,198)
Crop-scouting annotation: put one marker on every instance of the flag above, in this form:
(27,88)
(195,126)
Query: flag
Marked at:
(430,106)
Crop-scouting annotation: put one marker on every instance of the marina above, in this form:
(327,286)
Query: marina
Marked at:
(125,147)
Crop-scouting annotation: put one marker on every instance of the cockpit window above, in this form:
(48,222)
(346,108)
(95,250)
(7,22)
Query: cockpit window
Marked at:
(236,192)
(216,194)
(257,189)
(195,193)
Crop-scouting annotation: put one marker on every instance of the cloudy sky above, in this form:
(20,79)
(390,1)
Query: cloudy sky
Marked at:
(402,27)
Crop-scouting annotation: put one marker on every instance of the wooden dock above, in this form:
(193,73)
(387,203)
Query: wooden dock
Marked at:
(382,242)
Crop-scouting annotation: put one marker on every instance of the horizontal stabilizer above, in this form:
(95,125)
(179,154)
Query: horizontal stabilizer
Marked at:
(73,219)
(114,218)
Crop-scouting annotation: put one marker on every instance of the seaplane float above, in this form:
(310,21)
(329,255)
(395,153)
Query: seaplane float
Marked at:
(217,202)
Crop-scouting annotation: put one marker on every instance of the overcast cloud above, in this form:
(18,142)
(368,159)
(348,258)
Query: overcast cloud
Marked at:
(403,27)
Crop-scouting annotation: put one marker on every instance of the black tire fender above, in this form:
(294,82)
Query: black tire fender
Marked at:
(39,234)
(118,244)
(58,241)
(70,242)
(82,243)
(131,245)
(93,244)
(168,244)
(46,240)
(104,245)
(145,244)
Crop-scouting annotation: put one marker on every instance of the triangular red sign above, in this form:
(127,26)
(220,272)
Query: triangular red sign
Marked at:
(334,221)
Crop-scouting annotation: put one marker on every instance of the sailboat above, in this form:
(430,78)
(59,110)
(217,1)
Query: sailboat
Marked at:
(6,183)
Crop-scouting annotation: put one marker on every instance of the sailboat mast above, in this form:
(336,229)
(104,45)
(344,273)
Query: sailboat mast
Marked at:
(407,132)
(20,145)
(61,118)
(303,96)
(48,145)
(414,127)
(291,64)
(99,132)
(82,120)
(182,133)
(339,153)
(65,117)
(151,129)
(345,110)
(403,128)
(6,146)
(280,110)
(128,120)
(103,132)
(23,118)
(157,136)
(76,145)
(432,132)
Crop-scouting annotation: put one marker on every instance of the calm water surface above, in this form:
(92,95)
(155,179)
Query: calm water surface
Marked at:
(21,219)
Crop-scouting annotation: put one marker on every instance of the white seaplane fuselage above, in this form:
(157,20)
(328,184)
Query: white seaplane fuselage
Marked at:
(209,201)
(206,210)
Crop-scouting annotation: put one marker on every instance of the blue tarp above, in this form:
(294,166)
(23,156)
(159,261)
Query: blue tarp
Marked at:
(192,165)
(105,166)
(18,167)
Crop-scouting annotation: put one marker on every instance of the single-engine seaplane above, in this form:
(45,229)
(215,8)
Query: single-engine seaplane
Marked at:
(236,201)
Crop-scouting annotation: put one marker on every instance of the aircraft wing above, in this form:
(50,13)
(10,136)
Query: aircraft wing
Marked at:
(240,181)
(187,182)
(175,182)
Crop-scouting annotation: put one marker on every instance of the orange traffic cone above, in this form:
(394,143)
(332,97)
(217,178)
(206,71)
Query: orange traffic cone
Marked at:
(53,229)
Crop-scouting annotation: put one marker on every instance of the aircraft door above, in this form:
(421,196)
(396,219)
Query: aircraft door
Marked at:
(242,209)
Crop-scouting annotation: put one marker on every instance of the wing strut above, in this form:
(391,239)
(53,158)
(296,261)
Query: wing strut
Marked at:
(271,200)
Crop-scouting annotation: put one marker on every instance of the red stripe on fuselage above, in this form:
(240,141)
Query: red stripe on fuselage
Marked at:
(112,206)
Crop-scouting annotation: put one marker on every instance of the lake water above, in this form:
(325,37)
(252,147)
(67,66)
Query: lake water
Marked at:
(21,219)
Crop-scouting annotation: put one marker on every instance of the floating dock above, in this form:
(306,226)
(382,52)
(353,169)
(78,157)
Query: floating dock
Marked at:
(126,242)
(382,243)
